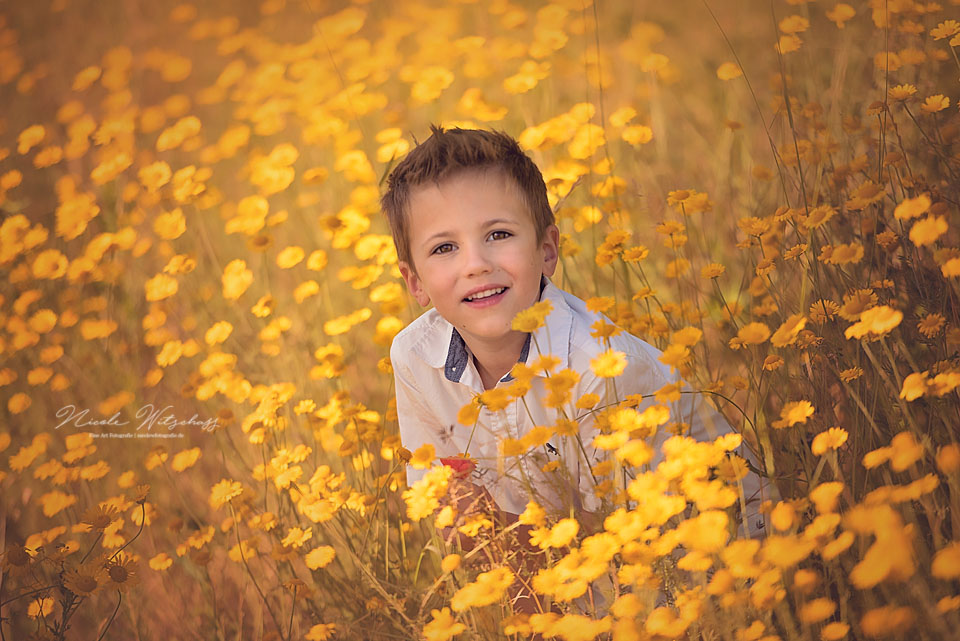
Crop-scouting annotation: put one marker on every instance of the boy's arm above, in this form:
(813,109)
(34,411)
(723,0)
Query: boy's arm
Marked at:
(416,421)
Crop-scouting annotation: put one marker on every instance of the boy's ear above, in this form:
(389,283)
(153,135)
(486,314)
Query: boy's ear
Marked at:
(551,250)
(413,283)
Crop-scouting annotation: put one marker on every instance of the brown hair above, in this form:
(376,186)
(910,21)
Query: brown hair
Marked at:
(446,153)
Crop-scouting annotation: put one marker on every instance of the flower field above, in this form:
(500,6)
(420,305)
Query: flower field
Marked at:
(198,435)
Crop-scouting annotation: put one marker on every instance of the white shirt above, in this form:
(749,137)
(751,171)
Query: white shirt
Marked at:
(435,376)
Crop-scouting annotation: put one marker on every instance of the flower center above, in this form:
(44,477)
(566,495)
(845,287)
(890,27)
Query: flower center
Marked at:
(86,583)
(118,573)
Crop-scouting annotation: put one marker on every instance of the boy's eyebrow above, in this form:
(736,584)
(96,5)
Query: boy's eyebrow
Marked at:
(499,221)
(437,236)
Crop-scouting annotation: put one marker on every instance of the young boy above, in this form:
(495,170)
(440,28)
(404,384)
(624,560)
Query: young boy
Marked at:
(476,238)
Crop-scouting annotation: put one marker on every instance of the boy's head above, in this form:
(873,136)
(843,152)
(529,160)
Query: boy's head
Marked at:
(447,153)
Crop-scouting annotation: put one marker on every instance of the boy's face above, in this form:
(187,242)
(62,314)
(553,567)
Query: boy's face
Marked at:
(475,249)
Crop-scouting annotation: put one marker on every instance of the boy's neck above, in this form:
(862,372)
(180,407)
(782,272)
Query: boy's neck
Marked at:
(494,361)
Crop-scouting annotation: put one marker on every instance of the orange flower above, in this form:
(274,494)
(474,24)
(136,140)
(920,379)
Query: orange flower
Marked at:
(729,71)
(793,413)
(754,333)
(831,439)
(876,320)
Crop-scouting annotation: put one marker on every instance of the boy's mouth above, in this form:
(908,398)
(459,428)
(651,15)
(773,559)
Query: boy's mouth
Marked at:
(485,295)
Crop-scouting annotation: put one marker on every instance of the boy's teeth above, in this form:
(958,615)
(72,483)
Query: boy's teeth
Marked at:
(486,293)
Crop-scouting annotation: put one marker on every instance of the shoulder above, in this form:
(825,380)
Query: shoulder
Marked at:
(423,340)
(642,357)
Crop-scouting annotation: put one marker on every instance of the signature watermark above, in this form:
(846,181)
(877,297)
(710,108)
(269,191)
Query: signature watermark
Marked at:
(148,418)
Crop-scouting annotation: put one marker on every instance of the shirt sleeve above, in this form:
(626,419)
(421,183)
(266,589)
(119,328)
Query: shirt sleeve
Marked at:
(645,375)
(418,424)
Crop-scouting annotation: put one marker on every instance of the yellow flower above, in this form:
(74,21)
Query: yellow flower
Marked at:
(825,496)
(532,318)
(876,320)
(587,139)
(442,626)
(537,436)
(343,324)
(289,257)
(609,364)
(948,604)
(155,175)
(729,71)
(866,194)
(951,268)
(637,134)
(901,92)
(840,14)
(527,77)
(787,333)
(886,621)
(946,563)
(928,230)
(430,83)
(55,501)
(841,254)
(185,459)
(912,207)
(931,324)
(772,362)
(49,263)
(30,137)
(488,588)
(561,534)
(754,333)
(320,557)
(170,225)
(40,607)
(423,497)
(423,457)
(851,374)
(713,270)
(687,336)
(905,451)
(817,610)
(236,279)
(111,167)
(794,24)
(945,29)
(793,413)
(450,563)
(84,579)
(788,43)
(786,551)
(121,574)
(321,632)
(622,116)
(877,457)
(831,439)
(218,333)
(495,399)
(675,356)
(635,254)
(948,458)
(855,303)
(224,492)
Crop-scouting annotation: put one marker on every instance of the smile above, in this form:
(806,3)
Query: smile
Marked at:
(487,293)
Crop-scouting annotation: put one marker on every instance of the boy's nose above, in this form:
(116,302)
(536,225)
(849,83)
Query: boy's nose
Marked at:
(476,262)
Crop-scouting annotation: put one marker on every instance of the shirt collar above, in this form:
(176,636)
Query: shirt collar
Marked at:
(444,348)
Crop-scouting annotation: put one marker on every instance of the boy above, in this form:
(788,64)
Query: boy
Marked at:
(476,238)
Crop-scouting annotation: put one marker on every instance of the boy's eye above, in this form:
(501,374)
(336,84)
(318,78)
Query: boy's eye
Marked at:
(500,234)
(444,248)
